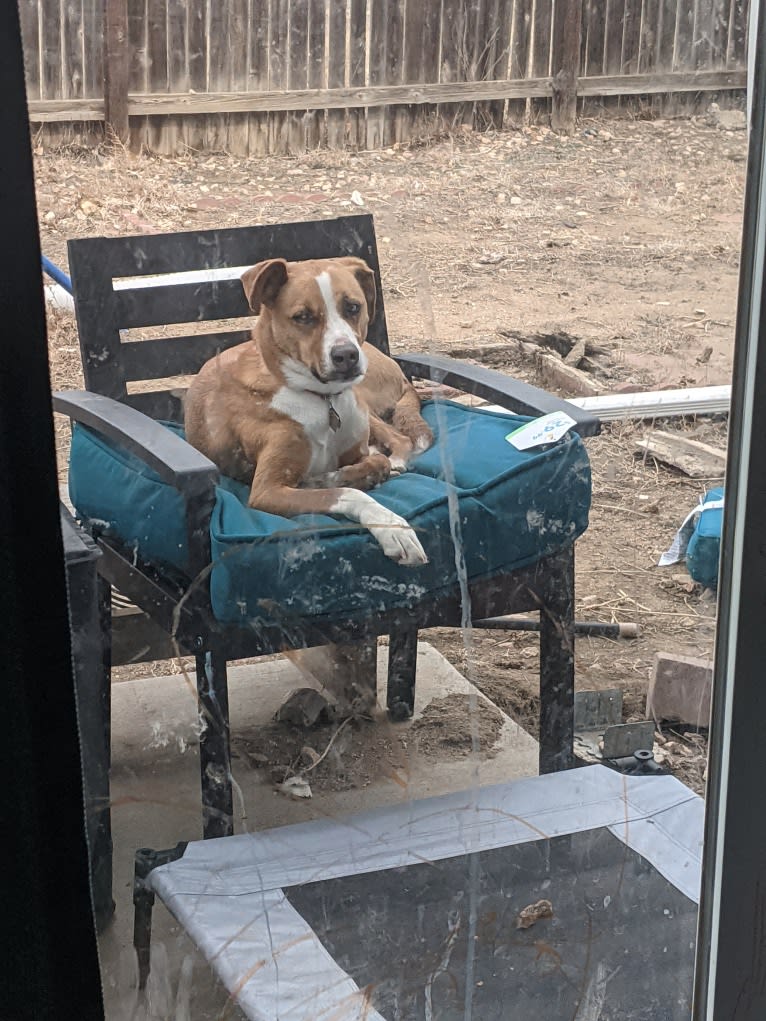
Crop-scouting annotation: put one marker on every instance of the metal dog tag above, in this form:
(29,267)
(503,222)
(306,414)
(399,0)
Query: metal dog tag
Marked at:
(334,418)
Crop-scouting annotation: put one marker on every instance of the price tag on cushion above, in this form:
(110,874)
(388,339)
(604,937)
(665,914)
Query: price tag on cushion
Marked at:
(541,431)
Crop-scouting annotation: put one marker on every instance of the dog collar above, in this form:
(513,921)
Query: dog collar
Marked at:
(333,417)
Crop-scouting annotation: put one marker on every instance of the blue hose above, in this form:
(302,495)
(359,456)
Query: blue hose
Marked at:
(57,274)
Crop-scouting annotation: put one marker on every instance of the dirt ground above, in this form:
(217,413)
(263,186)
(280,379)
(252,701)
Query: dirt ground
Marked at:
(625,236)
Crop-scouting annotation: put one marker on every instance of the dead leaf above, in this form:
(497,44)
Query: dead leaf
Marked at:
(534,913)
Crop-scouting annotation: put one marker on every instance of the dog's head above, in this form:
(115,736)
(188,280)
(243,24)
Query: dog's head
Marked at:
(318,313)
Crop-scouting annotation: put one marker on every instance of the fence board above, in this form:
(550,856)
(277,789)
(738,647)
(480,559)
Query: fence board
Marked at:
(93,48)
(666,35)
(376,74)
(157,68)
(484,32)
(72,48)
(738,29)
(518,57)
(719,33)
(258,78)
(29,17)
(316,79)
(631,37)
(647,54)
(500,15)
(356,62)
(595,27)
(278,26)
(686,43)
(178,70)
(218,70)
(51,83)
(615,10)
(336,70)
(238,127)
(195,54)
(407,66)
(396,125)
(540,50)
(296,70)
(703,33)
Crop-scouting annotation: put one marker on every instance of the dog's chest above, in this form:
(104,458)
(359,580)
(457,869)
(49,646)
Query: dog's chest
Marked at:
(314,414)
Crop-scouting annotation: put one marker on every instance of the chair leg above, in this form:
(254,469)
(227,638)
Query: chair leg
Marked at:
(143,903)
(402,665)
(145,861)
(557,666)
(214,745)
(101,861)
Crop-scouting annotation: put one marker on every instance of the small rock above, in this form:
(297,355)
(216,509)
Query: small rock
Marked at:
(295,787)
(305,707)
(726,120)
(704,358)
(356,198)
(515,200)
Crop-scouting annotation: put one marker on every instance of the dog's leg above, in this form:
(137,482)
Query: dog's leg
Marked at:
(369,471)
(391,442)
(408,420)
(279,470)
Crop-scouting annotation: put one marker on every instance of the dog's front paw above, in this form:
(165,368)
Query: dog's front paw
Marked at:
(372,471)
(398,541)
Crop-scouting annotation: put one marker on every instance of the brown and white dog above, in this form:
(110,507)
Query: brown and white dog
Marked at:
(306,412)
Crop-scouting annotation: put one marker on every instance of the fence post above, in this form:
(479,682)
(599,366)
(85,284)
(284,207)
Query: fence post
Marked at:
(116,67)
(565,65)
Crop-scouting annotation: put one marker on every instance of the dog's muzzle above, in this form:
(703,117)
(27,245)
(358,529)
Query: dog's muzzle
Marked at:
(344,358)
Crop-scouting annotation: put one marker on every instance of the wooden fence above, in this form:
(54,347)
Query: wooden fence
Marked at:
(258,76)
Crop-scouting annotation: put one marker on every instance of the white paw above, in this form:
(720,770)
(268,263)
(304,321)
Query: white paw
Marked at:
(399,542)
(398,465)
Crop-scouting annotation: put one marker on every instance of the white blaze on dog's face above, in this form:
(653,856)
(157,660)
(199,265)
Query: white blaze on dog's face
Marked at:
(318,312)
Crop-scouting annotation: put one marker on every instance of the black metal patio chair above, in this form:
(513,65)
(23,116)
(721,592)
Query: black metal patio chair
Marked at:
(175,568)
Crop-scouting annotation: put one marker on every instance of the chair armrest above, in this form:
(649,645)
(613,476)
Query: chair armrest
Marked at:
(510,393)
(175,461)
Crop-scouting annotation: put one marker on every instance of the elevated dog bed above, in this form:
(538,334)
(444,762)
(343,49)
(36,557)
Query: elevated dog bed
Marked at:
(514,507)
(413,911)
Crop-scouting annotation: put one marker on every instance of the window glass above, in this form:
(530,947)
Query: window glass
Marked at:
(257,609)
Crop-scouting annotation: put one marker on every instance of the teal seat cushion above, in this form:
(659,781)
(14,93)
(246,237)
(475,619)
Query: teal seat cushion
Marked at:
(505,508)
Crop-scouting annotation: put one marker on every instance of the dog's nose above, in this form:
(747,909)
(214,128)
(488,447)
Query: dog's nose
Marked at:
(344,356)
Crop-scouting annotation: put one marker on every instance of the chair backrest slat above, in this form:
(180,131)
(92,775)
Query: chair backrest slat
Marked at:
(175,356)
(167,304)
(111,297)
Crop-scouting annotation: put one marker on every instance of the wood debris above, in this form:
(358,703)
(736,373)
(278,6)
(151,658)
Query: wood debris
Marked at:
(695,459)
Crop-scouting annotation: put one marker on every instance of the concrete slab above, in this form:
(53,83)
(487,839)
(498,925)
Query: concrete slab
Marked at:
(156,800)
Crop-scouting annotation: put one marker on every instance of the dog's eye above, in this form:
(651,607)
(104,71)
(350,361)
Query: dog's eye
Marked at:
(352,308)
(304,317)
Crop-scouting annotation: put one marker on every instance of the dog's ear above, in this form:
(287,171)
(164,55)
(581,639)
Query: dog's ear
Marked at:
(263,283)
(366,279)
